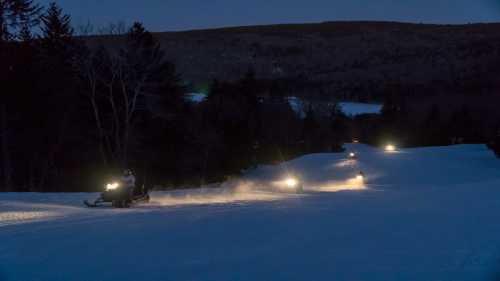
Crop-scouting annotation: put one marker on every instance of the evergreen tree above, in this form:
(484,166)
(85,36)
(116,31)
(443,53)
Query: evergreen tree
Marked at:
(432,131)
(56,28)
(58,45)
(494,144)
(338,126)
(463,127)
(276,94)
(25,34)
(15,14)
(57,99)
(248,87)
(389,108)
(309,130)
(434,116)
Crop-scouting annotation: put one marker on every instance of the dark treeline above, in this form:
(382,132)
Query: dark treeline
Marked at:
(71,114)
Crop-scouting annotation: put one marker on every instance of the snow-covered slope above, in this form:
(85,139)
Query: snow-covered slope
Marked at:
(422,214)
(357,108)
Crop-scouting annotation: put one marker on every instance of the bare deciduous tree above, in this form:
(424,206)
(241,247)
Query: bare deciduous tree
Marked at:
(120,82)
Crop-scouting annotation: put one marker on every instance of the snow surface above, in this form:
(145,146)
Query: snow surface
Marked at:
(422,214)
(348,108)
(297,105)
(357,108)
(196,97)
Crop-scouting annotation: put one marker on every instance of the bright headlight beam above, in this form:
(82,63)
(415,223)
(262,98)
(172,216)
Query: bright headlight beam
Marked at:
(291,182)
(390,148)
(112,186)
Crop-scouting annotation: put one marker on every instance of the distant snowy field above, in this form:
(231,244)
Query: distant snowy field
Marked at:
(196,97)
(357,108)
(297,105)
(348,108)
(423,214)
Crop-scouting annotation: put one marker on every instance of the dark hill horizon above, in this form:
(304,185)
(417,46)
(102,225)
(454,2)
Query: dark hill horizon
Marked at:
(342,58)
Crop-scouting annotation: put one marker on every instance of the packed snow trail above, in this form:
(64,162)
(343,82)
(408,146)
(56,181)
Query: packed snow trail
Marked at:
(423,214)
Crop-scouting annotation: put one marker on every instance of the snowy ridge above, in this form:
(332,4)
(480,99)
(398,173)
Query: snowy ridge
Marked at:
(422,214)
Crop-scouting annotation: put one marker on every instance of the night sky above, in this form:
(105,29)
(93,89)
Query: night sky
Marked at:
(164,15)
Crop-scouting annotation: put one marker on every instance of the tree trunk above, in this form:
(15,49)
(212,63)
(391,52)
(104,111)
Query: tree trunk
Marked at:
(116,152)
(127,113)
(100,131)
(92,79)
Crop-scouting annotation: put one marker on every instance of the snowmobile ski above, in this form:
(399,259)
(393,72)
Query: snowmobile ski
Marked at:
(90,205)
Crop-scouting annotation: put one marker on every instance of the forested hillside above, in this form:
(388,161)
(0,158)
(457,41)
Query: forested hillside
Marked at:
(357,59)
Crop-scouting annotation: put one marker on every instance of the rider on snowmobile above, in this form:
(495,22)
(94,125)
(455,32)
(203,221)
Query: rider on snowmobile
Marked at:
(128,181)
(121,194)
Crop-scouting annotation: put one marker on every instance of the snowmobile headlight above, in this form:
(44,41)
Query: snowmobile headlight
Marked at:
(291,182)
(360,177)
(112,186)
(352,154)
(390,148)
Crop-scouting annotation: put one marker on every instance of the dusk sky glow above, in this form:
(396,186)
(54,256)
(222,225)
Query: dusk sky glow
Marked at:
(169,15)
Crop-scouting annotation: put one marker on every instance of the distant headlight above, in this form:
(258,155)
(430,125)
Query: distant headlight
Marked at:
(390,148)
(112,186)
(352,155)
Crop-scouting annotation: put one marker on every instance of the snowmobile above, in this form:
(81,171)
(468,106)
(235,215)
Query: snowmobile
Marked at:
(294,185)
(352,155)
(120,197)
(360,177)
